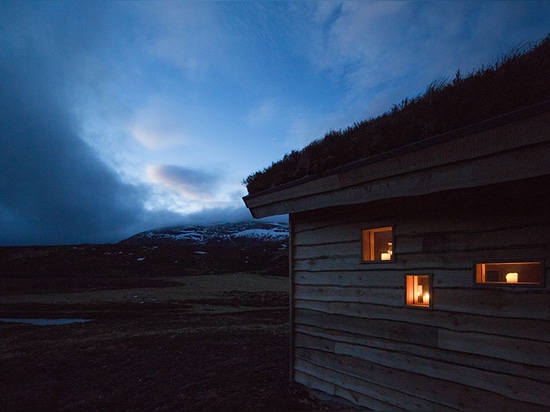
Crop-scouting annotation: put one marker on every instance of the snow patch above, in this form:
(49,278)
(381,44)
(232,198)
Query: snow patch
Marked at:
(201,235)
(274,233)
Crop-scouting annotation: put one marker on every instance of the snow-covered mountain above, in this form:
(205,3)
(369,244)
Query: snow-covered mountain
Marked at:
(254,247)
(244,233)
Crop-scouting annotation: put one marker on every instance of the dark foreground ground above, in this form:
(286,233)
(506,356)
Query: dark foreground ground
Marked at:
(162,360)
(224,353)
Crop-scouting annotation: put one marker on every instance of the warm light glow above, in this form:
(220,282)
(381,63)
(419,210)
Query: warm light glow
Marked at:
(426,299)
(512,277)
(417,290)
(508,273)
(377,244)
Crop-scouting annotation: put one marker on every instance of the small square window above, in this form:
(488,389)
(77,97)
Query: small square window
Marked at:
(418,290)
(509,273)
(377,244)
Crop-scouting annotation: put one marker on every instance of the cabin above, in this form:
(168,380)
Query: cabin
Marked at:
(420,276)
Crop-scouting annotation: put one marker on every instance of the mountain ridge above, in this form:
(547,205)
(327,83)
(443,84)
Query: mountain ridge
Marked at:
(254,247)
(228,234)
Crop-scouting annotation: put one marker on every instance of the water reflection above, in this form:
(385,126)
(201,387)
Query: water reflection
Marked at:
(44,322)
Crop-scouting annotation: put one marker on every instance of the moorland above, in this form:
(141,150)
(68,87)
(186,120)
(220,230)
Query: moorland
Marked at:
(160,328)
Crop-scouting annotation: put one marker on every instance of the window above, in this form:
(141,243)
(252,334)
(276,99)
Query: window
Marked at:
(418,290)
(509,273)
(377,244)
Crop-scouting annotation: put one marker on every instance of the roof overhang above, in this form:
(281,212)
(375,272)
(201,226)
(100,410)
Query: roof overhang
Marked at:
(507,148)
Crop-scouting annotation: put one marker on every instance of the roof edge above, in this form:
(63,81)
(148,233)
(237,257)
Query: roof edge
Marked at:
(486,124)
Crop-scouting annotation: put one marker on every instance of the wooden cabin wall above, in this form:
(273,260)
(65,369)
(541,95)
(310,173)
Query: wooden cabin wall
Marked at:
(482,347)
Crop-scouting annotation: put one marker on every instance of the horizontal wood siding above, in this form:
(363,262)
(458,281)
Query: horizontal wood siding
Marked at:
(481,347)
(495,153)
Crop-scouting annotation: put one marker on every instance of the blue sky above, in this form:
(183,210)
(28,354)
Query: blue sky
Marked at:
(117,117)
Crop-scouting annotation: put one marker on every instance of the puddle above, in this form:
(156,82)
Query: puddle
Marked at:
(44,322)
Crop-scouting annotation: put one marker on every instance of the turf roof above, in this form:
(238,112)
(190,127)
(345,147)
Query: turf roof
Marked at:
(519,79)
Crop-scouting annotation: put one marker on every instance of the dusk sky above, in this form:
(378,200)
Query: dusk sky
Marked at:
(118,117)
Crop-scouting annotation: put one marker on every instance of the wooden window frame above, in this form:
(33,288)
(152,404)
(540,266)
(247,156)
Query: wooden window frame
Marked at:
(411,284)
(368,253)
(480,273)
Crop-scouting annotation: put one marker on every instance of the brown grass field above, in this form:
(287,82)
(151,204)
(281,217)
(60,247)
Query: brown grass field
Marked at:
(193,343)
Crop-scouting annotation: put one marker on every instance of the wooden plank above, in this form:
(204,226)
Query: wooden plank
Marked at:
(386,397)
(404,244)
(473,146)
(505,238)
(425,262)
(493,301)
(513,349)
(328,338)
(514,387)
(315,384)
(454,151)
(511,303)
(525,162)
(460,278)
(305,340)
(312,382)
(414,262)
(471,222)
(535,237)
(456,228)
(329,250)
(323,220)
(502,167)
(445,393)
(392,330)
(438,234)
(461,232)
(534,329)
(386,296)
(468,210)
(360,399)
(338,233)
(380,278)
(329,264)
(342,219)
(291,295)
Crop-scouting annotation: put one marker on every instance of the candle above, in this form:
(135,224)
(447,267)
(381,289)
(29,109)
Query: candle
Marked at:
(426,299)
(512,277)
(420,298)
(386,256)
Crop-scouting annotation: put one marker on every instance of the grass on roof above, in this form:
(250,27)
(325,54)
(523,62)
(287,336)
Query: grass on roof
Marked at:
(519,79)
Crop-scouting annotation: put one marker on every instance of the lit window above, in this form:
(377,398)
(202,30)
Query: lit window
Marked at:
(509,273)
(377,244)
(418,290)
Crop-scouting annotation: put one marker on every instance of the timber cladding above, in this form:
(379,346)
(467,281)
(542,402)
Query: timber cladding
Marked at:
(516,146)
(478,346)
(420,278)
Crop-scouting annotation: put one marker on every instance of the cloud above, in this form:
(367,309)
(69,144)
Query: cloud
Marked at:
(215,215)
(227,214)
(54,189)
(386,51)
(82,82)
(262,114)
(193,184)
(159,125)
(187,35)
(57,82)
